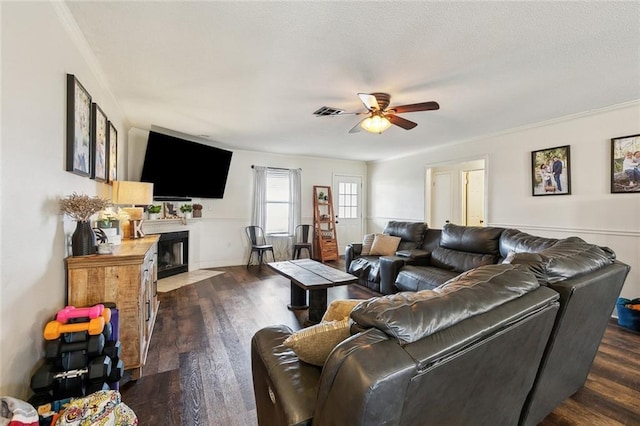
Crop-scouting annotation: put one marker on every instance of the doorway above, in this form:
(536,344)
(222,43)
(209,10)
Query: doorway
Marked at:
(347,201)
(456,193)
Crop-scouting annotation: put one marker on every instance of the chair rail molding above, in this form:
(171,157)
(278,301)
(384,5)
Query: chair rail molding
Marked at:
(570,230)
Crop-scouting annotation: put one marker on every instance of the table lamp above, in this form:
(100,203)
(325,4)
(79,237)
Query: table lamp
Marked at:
(133,193)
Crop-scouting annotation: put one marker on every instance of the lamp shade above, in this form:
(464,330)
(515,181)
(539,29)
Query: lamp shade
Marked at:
(376,123)
(129,192)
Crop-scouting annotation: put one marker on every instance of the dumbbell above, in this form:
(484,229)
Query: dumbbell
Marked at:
(117,371)
(71,356)
(54,329)
(94,345)
(72,360)
(45,377)
(68,312)
(81,336)
(104,313)
(115,320)
(113,350)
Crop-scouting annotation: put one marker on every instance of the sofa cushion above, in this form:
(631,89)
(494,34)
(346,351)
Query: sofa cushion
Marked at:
(416,278)
(314,344)
(410,316)
(410,233)
(459,261)
(565,259)
(471,239)
(384,245)
(367,242)
(339,309)
(513,240)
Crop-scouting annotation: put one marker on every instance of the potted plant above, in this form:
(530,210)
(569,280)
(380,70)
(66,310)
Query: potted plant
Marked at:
(187,210)
(81,207)
(154,211)
(321,196)
(197,210)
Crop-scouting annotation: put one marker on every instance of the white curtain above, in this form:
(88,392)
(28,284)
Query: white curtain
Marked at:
(295,199)
(259,217)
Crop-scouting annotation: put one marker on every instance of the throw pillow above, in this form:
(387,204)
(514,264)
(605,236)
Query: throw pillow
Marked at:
(367,241)
(314,344)
(339,309)
(384,245)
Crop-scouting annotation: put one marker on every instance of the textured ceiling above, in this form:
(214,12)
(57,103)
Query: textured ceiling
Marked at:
(250,74)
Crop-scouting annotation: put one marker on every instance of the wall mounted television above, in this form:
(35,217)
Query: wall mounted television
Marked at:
(180,168)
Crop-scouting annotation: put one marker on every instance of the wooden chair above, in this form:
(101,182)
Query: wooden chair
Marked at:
(301,241)
(258,244)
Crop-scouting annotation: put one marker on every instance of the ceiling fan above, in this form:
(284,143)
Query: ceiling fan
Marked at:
(379,116)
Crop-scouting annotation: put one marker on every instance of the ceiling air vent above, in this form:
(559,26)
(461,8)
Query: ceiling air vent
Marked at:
(324,111)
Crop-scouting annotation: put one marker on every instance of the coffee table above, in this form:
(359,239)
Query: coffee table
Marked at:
(307,274)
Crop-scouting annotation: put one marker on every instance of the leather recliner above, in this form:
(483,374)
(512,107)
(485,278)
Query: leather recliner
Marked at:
(466,355)
(412,237)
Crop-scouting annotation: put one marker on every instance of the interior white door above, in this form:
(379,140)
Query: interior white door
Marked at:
(347,203)
(475,198)
(441,199)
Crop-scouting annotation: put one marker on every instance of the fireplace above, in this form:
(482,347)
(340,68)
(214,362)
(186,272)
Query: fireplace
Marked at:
(173,253)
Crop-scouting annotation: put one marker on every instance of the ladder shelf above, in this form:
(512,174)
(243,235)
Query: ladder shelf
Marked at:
(325,240)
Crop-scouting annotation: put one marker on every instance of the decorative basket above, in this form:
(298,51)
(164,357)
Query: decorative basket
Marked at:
(627,317)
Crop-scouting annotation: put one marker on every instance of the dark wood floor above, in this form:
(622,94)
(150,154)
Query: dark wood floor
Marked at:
(198,370)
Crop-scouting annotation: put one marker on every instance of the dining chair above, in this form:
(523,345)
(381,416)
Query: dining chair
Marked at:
(301,241)
(258,244)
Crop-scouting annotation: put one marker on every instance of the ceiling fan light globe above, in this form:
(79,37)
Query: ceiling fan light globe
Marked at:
(375,124)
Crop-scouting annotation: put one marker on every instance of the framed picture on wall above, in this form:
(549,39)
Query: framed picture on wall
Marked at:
(113,153)
(625,164)
(99,144)
(78,128)
(551,171)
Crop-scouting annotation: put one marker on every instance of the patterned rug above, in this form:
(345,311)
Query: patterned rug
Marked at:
(174,282)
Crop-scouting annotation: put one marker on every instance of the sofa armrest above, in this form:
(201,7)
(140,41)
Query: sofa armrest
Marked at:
(389,268)
(415,257)
(284,387)
(352,251)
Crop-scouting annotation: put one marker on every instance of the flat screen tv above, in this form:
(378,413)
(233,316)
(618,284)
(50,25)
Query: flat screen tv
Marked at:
(182,169)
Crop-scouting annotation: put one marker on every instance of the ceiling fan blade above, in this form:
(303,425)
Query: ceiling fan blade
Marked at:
(422,106)
(369,101)
(356,128)
(401,122)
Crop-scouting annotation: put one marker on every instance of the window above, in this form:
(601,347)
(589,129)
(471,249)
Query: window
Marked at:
(278,202)
(347,200)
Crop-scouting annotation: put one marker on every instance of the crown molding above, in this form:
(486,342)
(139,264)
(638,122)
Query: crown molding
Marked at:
(77,37)
(563,119)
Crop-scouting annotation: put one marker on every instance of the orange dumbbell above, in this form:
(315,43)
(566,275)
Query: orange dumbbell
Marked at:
(54,329)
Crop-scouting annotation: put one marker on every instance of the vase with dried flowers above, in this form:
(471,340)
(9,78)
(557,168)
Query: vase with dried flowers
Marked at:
(81,207)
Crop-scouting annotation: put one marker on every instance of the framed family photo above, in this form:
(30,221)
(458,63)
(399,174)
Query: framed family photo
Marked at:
(551,171)
(99,144)
(113,153)
(78,128)
(625,164)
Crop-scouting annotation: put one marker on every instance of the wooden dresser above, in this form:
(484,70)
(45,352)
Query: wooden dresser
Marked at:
(128,278)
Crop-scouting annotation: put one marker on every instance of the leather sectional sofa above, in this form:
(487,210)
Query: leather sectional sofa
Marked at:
(450,343)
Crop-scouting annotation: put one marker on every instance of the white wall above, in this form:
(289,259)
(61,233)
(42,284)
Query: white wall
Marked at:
(218,239)
(396,187)
(37,53)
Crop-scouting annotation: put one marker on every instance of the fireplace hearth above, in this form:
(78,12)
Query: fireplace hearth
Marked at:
(173,253)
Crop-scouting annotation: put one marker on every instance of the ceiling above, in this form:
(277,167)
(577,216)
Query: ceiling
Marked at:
(249,75)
